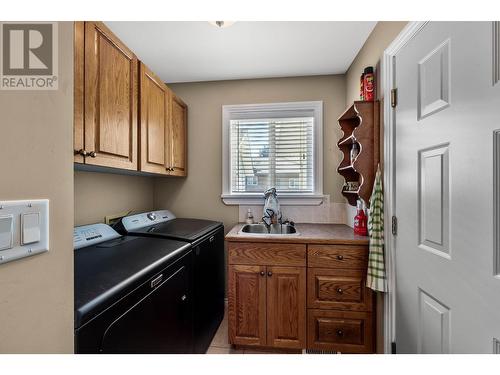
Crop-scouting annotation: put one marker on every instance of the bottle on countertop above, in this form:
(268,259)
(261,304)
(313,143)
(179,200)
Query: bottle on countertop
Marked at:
(249,219)
(369,84)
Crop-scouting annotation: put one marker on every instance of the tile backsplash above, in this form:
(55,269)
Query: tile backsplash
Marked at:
(327,212)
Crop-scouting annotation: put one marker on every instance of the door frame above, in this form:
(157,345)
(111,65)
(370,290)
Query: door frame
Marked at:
(388,80)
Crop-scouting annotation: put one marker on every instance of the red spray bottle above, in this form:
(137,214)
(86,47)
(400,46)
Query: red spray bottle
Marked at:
(360,220)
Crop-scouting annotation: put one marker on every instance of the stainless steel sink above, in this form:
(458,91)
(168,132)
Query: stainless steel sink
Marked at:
(274,229)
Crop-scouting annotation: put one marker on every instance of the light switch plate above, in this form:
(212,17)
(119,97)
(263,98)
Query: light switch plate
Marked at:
(30,228)
(6,229)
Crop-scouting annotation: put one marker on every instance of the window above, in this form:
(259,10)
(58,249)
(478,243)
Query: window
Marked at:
(273,145)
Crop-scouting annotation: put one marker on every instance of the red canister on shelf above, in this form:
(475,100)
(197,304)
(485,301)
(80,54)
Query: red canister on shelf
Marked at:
(369,84)
(361,87)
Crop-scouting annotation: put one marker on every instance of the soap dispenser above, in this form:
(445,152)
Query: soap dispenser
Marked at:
(249,219)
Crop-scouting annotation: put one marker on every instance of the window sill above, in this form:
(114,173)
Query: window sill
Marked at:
(284,200)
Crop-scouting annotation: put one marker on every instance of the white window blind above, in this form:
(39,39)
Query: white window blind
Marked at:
(277,152)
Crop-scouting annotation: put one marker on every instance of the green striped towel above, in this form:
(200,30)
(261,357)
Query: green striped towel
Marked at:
(376,278)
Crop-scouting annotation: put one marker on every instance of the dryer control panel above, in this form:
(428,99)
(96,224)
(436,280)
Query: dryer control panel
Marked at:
(145,219)
(92,234)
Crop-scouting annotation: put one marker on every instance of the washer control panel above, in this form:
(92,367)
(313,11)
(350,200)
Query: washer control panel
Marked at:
(145,219)
(92,234)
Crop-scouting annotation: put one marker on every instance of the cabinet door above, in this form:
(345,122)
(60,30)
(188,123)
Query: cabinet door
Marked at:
(286,307)
(78,90)
(247,305)
(110,99)
(178,134)
(154,116)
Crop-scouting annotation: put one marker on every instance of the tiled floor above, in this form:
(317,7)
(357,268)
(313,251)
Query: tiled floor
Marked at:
(220,344)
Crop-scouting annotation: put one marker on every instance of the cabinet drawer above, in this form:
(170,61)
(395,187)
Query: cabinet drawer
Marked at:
(346,332)
(338,289)
(267,254)
(337,256)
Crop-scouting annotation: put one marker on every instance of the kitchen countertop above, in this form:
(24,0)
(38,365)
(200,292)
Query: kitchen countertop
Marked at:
(309,233)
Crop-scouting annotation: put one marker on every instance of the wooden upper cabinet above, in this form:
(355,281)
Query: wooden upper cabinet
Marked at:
(286,307)
(110,84)
(155,149)
(247,305)
(109,89)
(178,129)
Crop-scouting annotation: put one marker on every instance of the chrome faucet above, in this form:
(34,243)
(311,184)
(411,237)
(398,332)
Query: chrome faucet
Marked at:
(271,208)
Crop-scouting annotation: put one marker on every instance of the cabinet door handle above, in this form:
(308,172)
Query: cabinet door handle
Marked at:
(340,257)
(212,239)
(269,274)
(81,152)
(92,154)
(340,291)
(262,273)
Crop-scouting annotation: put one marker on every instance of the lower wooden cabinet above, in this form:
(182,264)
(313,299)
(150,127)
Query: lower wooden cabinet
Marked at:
(286,307)
(267,306)
(298,296)
(340,331)
(247,305)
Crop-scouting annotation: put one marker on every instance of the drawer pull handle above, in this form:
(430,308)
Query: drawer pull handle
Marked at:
(262,273)
(340,257)
(340,333)
(155,282)
(340,291)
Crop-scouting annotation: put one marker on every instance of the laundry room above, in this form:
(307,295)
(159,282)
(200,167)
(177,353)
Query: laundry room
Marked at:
(295,187)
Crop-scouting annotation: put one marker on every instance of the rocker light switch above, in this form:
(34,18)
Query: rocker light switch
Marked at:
(30,228)
(6,231)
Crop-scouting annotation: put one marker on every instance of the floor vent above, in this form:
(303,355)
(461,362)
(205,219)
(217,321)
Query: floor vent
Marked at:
(316,351)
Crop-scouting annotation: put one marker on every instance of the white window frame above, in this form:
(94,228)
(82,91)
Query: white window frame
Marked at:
(273,110)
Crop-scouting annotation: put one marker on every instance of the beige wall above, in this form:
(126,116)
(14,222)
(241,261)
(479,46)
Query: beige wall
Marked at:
(100,194)
(380,38)
(198,195)
(36,145)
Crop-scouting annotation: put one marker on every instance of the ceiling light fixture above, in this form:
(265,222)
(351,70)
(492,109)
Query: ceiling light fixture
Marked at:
(221,24)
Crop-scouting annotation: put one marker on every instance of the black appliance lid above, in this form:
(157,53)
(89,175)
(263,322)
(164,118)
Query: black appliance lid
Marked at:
(181,229)
(105,272)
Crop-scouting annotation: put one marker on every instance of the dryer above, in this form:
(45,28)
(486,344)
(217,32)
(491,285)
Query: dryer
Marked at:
(132,294)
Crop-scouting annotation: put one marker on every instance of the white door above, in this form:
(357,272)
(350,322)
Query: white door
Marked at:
(447,291)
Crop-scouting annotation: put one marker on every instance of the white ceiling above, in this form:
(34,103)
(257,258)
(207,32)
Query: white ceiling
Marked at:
(198,51)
